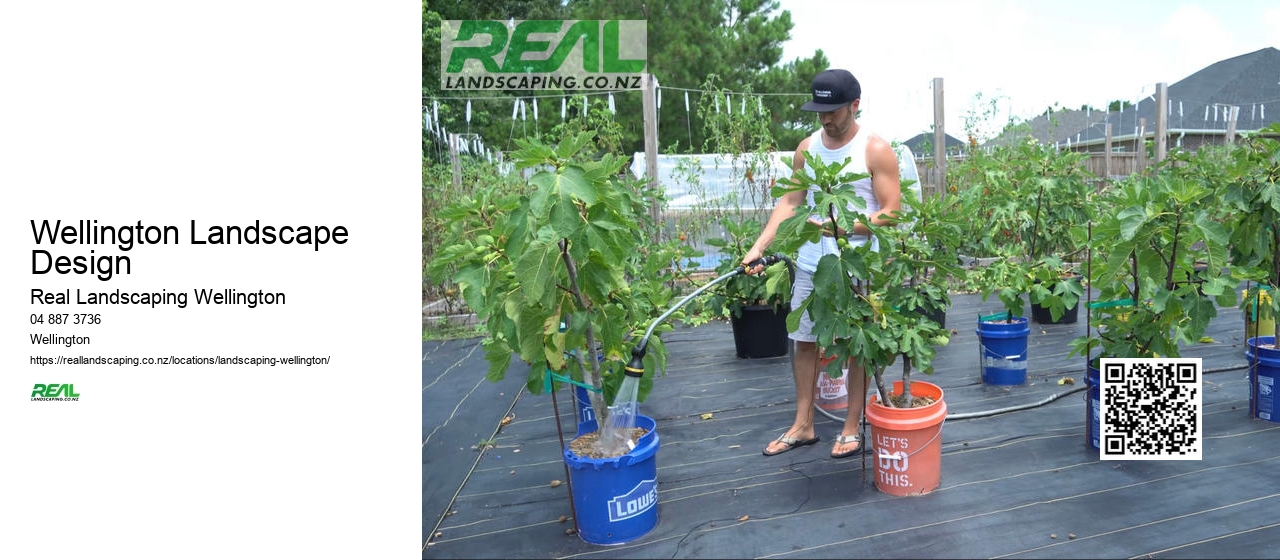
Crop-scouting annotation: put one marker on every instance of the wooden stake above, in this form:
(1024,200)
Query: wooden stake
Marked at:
(1162,121)
(651,146)
(939,138)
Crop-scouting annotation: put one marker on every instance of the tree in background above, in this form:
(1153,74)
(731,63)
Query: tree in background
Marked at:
(688,40)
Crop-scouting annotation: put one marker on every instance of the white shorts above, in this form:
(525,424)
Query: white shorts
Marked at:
(800,290)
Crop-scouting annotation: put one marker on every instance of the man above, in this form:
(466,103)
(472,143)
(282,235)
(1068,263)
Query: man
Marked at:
(836,98)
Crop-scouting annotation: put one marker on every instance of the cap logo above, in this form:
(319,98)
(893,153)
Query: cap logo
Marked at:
(822,93)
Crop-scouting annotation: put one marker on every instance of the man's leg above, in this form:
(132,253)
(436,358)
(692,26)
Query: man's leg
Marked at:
(857,383)
(804,366)
(804,370)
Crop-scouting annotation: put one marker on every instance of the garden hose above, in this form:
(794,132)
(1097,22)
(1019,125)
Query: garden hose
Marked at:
(635,368)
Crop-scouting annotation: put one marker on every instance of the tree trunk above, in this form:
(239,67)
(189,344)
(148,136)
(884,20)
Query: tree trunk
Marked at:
(590,366)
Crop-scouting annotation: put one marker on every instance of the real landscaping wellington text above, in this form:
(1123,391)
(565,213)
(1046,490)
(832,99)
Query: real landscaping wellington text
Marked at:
(128,237)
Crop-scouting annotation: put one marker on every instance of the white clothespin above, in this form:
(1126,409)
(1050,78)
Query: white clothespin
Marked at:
(564,106)
(611,110)
(468,111)
(535,110)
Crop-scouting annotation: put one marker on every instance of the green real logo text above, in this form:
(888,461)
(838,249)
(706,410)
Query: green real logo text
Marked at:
(542,54)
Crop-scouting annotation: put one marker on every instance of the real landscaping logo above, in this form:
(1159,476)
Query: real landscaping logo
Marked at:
(54,392)
(542,54)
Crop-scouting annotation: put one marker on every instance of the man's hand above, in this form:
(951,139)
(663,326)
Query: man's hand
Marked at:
(828,228)
(752,256)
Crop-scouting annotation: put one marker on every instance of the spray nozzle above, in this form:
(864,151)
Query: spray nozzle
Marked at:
(765,261)
(635,368)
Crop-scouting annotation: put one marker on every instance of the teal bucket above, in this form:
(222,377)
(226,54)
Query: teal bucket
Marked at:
(616,499)
(1002,349)
(1264,373)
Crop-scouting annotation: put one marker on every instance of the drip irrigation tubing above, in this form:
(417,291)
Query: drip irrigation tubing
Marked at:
(1016,408)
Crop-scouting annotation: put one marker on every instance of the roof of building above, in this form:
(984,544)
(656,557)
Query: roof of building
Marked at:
(920,142)
(1198,102)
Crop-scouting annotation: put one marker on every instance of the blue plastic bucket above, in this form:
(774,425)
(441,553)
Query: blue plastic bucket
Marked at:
(1002,349)
(1094,396)
(616,499)
(1264,377)
(583,400)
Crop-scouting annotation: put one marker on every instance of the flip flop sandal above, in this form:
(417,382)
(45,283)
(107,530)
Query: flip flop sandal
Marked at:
(844,440)
(790,443)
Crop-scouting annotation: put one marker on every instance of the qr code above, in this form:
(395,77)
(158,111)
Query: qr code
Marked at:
(1150,409)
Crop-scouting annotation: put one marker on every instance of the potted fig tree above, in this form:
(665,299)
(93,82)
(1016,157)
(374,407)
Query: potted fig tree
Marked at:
(756,305)
(1146,249)
(1253,196)
(871,311)
(741,147)
(1056,236)
(564,280)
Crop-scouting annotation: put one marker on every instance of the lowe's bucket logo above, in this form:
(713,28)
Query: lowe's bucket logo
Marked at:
(635,502)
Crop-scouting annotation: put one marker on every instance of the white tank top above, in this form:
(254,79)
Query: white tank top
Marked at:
(856,150)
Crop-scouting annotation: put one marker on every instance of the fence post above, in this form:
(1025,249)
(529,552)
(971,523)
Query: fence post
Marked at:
(939,138)
(1232,111)
(1162,121)
(651,146)
(454,161)
(1140,144)
(1106,159)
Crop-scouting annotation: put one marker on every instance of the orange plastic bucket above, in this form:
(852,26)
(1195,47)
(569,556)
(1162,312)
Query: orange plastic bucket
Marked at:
(908,442)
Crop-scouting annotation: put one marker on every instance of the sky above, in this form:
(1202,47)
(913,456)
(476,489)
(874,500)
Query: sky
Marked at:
(1002,58)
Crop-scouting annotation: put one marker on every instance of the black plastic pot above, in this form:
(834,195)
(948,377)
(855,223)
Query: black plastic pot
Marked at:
(1070,315)
(1041,315)
(938,316)
(761,332)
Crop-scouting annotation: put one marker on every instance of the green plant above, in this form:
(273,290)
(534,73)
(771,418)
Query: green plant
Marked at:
(563,274)
(1252,195)
(1031,204)
(773,288)
(870,309)
(440,191)
(1157,230)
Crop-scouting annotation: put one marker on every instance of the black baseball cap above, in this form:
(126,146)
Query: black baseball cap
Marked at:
(833,89)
